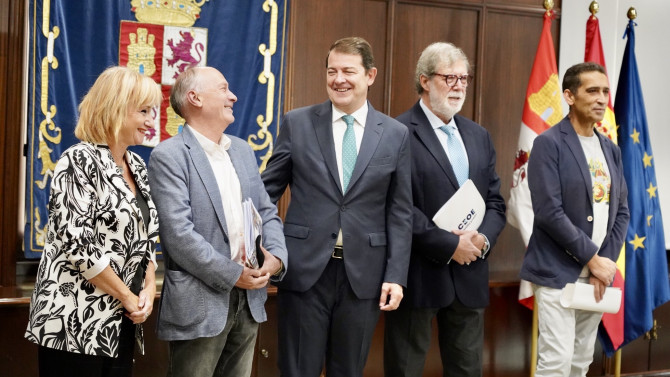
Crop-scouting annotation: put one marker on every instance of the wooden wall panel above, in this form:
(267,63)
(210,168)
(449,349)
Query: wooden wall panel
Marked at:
(11,65)
(315,25)
(417,26)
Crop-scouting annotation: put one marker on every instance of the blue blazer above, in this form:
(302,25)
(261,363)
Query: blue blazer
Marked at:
(562,196)
(432,283)
(374,215)
(193,233)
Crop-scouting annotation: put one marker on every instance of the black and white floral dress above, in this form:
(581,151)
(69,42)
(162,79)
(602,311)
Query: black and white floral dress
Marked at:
(94,221)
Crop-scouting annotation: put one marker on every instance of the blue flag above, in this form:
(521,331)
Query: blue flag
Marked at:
(72,42)
(647,285)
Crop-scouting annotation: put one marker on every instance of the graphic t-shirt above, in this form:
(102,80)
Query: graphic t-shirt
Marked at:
(601,182)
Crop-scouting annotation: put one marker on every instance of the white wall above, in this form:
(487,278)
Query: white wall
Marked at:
(652,50)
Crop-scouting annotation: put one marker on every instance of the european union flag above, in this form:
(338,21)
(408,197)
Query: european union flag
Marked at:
(647,285)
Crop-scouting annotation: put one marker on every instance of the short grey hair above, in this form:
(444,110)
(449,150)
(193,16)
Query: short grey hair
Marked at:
(436,54)
(186,81)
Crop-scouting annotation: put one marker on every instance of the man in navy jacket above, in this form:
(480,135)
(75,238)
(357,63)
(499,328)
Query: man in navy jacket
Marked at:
(579,195)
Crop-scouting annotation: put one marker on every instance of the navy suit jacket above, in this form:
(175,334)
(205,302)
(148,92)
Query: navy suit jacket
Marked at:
(561,191)
(432,283)
(374,215)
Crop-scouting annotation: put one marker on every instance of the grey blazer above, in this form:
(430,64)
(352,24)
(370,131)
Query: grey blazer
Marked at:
(194,236)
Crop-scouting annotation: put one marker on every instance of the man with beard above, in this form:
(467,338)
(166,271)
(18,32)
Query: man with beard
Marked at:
(448,272)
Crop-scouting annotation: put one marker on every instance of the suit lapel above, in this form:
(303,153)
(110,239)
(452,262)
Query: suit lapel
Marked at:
(323,127)
(204,169)
(371,136)
(236,158)
(470,144)
(572,141)
(425,132)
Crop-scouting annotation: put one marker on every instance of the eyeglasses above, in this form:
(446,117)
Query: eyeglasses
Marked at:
(452,79)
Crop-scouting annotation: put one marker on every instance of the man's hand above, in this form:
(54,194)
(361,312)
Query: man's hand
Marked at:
(466,251)
(391,293)
(252,279)
(602,268)
(271,263)
(599,288)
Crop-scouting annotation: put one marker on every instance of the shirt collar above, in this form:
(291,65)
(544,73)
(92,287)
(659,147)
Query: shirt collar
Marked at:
(360,115)
(435,122)
(210,146)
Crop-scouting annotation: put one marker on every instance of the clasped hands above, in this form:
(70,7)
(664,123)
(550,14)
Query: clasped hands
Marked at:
(470,245)
(602,274)
(253,278)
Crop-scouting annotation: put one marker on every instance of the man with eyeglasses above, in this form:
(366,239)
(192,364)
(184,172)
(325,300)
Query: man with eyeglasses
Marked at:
(448,271)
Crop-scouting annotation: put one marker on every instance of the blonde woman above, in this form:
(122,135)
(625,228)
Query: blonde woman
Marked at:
(95,282)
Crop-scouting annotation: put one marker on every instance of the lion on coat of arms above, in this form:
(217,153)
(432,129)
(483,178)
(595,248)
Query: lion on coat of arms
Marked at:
(182,58)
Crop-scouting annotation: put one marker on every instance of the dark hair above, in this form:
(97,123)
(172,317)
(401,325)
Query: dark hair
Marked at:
(571,79)
(354,46)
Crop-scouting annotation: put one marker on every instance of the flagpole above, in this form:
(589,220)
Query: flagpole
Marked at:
(632,14)
(533,347)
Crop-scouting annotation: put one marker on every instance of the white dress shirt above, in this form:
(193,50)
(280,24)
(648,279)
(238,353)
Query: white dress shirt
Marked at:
(230,190)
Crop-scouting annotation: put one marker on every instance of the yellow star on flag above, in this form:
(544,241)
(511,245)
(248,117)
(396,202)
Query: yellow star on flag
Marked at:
(649,217)
(647,160)
(635,136)
(652,190)
(637,242)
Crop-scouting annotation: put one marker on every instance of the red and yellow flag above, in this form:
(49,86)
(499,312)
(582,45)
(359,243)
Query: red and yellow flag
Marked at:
(541,110)
(593,52)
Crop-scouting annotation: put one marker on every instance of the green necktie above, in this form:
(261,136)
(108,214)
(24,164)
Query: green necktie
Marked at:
(349,152)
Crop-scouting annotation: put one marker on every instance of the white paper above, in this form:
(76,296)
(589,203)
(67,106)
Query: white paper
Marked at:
(463,211)
(580,296)
(253,228)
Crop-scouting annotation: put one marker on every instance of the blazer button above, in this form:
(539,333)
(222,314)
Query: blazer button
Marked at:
(589,219)
(333,235)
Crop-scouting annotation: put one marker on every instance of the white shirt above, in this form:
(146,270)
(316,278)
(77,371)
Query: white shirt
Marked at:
(339,127)
(436,123)
(601,182)
(229,188)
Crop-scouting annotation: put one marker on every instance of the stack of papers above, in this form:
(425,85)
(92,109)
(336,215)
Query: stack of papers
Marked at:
(253,235)
(581,296)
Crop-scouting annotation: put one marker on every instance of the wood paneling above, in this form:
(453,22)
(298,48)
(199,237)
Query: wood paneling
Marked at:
(11,64)
(438,23)
(314,26)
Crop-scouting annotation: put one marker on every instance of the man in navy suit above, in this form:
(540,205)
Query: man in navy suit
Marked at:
(349,222)
(448,273)
(579,200)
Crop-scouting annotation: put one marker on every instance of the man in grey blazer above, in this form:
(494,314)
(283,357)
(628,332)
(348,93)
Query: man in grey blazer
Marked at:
(348,226)
(579,196)
(212,301)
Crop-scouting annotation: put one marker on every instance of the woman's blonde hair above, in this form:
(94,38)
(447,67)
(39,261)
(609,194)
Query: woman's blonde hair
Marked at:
(105,107)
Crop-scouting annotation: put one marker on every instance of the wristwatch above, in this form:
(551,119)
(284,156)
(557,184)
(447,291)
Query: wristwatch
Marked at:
(486,247)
